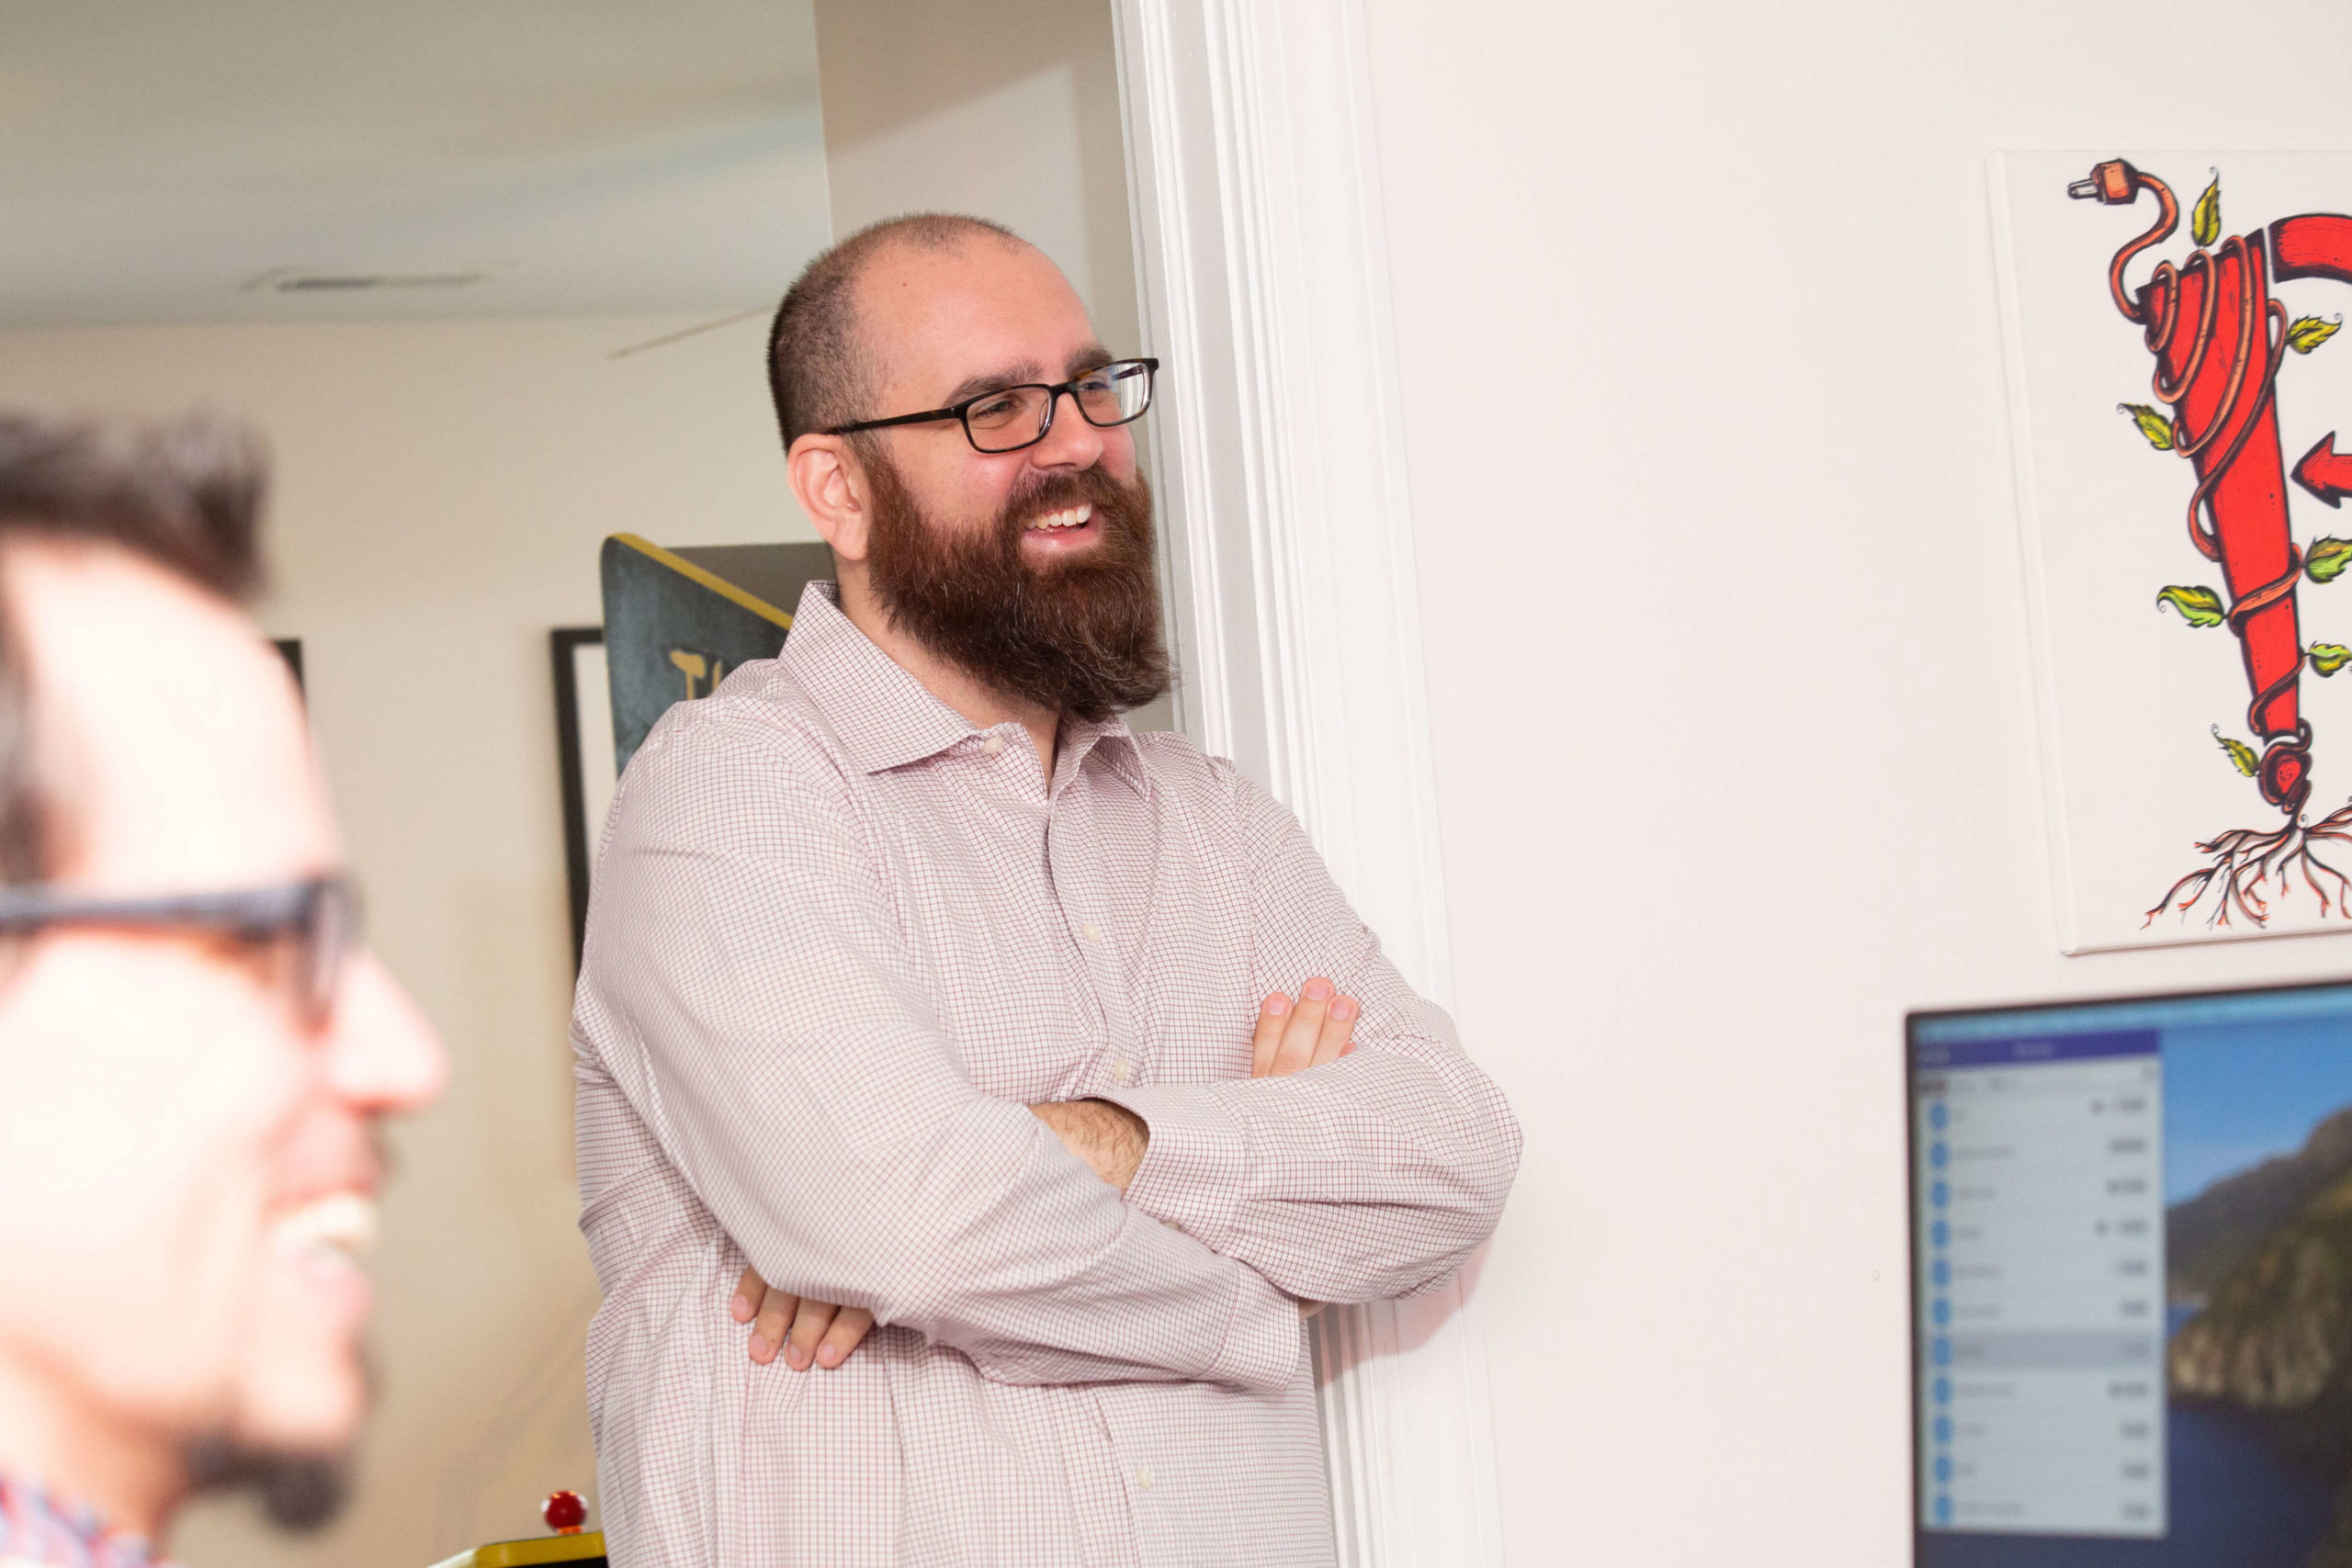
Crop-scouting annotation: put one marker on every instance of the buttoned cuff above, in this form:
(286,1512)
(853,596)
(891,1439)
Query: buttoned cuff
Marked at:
(1265,1342)
(1196,1170)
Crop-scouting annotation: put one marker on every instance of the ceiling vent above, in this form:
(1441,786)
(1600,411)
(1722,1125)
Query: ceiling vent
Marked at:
(361,280)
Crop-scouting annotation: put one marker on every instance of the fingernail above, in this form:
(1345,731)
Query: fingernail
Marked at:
(741,1307)
(1315,991)
(1278,1005)
(1344,1009)
(829,1354)
(759,1347)
(798,1356)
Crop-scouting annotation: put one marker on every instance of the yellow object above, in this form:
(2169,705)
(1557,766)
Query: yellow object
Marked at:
(541,1548)
(725,590)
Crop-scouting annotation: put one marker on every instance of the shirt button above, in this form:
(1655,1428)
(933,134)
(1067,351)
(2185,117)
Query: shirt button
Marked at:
(1091,931)
(1143,1478)
(992,745)
(1123,1069)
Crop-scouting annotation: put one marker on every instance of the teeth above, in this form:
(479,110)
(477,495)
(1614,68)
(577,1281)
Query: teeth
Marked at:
(339,1224)
(1070,517)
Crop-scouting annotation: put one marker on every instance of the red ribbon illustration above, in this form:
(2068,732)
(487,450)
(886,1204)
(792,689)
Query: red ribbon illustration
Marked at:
(2218,337)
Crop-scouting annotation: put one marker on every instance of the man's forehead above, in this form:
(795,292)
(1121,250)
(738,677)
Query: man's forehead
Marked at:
(981,310)
(177,726)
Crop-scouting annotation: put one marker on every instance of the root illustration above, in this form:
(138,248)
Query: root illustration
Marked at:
(2248,871)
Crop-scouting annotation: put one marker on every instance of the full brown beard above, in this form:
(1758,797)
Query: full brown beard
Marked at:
(1079,635)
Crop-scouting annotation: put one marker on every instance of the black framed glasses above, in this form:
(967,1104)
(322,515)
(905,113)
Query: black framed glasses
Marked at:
(303,931)
(1009,418)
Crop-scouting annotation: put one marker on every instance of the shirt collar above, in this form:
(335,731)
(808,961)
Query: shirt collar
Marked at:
(37,1527)
(885,718)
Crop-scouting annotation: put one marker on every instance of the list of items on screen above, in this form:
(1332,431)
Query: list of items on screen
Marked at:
(2040,1225)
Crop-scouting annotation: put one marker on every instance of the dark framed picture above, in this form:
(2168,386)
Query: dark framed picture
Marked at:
(583,729)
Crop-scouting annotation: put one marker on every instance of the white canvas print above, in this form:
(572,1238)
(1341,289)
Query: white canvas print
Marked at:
(2175,385)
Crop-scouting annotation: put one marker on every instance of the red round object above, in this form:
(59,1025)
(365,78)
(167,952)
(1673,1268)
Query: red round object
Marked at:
(564,1512)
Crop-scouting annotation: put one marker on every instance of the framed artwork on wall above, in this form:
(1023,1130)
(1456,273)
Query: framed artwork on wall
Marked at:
(583,729)
(2175,396)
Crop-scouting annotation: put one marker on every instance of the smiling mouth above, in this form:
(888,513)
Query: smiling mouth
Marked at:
(334,1230)
(1068,517)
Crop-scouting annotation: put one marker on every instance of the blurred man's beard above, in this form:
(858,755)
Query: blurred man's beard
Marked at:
(1079,635)
(296,1490)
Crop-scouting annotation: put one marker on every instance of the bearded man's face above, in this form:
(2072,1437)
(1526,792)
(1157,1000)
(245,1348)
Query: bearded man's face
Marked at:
(1074,632)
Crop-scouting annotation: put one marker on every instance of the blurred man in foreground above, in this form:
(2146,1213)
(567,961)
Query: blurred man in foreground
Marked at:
(193,1052)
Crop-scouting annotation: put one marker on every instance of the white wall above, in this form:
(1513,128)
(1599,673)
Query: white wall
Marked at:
(441,493)
(1728,677)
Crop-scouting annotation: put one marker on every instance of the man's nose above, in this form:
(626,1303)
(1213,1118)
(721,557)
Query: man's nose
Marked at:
(383,1056)
(1071,442)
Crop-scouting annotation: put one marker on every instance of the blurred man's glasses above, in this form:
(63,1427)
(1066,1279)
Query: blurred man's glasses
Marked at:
(1010,418)
(303,932)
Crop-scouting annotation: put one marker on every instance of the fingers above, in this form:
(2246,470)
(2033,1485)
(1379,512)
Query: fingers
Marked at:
(1339,1027)
(808,1327)
(749,1291)
(777,1310)
(847,1333)
(1273,1013)
(1291,1036)
(1304,1030)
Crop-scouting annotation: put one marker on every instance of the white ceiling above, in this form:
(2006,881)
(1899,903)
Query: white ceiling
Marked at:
(585,156)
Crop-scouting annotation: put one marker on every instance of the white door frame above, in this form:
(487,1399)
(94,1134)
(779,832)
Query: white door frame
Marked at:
(1262,255)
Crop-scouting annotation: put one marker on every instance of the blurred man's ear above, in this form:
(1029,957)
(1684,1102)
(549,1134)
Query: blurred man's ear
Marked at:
(831,485)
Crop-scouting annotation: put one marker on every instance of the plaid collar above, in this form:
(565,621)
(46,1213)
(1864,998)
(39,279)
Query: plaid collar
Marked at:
(39,1528)
(885,718)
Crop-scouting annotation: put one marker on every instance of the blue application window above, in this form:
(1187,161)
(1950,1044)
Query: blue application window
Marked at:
(2132,1282)
(2039,1295)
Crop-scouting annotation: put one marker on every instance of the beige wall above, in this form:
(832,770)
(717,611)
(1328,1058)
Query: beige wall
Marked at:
(1728,677)
(1008,109)
(441,493)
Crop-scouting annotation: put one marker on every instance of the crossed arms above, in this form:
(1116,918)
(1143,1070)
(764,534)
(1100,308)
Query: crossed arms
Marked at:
(853,1161)
(1291,1036)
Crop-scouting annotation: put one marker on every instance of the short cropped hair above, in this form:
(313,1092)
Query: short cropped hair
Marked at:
(818,370)
(186,495)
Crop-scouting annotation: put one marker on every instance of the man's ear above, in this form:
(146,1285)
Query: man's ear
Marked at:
(831,485)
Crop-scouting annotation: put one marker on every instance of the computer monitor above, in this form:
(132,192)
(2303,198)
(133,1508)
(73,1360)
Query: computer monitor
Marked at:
(2132,1282)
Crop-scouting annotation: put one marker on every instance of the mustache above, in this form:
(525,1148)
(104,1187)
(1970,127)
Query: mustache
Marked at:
(1053,493)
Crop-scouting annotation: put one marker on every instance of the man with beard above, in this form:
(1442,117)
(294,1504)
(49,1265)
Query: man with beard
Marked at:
(194,1053)
(921,988)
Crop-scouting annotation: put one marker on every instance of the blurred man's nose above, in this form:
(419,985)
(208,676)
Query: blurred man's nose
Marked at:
(383,1055)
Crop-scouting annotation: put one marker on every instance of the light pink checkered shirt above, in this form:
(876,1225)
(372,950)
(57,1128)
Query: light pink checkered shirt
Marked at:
(840,939)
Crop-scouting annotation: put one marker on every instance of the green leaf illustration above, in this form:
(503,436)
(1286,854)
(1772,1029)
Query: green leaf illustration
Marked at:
(2240,754)
(2198,606)
(2325,560)
(2205,218)
(2153,425)
(2328,657)
(2307,333)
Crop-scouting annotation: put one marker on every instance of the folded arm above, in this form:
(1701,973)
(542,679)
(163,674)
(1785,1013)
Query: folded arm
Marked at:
(1369,1176)
(744,984)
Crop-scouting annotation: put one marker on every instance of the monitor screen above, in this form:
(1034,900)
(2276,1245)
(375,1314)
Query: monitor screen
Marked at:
(2132,1282)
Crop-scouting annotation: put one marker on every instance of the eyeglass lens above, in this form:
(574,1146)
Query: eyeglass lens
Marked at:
(1017,416)
(329,928)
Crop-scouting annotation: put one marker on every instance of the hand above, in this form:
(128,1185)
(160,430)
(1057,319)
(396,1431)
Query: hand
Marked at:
(1292,1036)
(1317,1027)
(809,1332)
(1109,1137)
